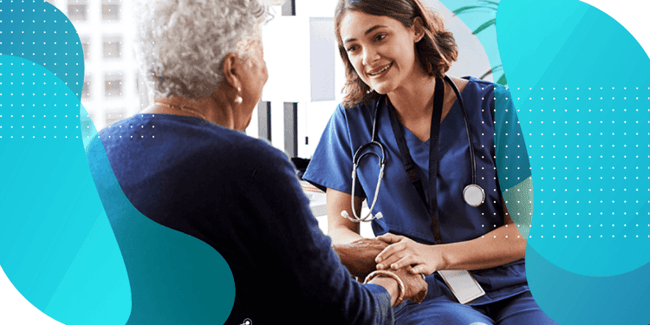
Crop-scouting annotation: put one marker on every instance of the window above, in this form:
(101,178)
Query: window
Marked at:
(85,92)
(111,11)
(85,45)
(113,85)
(112,47)
(77,11)
(86,125)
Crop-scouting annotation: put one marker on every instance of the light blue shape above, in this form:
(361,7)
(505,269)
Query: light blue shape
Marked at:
(174,277)
(57,247)
(475,19)
(573,299)
(589,158)
(39,32)
(588,145)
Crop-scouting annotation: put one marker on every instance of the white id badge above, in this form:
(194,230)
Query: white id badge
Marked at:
(462,285)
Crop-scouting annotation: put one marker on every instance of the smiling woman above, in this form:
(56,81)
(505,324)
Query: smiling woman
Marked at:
(434,130)
(183,163)
(386,25)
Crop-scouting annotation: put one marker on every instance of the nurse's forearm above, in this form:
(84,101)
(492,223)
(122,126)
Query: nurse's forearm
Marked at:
(500,246)
(340,229)
(342,235)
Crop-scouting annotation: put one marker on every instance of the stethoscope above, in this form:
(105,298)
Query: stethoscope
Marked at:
(473,194)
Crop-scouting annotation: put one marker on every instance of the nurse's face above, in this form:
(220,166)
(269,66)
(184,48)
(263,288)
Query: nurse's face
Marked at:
(381,50)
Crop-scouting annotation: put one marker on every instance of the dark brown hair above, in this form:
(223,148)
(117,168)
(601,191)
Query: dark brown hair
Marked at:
(435,51)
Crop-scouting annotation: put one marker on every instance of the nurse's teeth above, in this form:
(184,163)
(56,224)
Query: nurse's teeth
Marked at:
(382,70)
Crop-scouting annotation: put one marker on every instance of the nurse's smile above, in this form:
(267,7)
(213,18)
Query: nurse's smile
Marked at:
(375,74)
(380,49)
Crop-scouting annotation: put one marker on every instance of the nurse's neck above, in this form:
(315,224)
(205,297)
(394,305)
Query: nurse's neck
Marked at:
(414,100)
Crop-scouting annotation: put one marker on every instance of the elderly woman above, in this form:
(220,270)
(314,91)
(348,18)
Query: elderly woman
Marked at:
(205,178)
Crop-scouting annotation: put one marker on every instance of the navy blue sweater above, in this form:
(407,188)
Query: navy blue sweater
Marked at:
(241,196)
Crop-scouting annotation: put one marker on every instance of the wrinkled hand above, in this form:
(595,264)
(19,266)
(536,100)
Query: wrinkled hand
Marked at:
(359,256)
(403,251)
(414,284)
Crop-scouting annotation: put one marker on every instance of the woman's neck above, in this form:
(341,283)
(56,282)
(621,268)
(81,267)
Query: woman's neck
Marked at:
(414,101)
(209,108)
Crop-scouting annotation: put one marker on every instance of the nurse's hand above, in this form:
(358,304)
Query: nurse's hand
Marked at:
(403,251)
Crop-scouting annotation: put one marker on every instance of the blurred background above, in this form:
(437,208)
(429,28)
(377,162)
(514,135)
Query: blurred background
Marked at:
(305,71)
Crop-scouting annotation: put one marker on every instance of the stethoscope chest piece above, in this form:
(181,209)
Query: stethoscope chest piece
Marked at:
(474,195)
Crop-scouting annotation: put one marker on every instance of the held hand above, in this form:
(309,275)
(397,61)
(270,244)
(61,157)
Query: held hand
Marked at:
(359,256)
(403,251)
(411,286)
(415,285)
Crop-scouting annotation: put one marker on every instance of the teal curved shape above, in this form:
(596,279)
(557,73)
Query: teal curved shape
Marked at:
(56,245)
(573,299)
(39,32)
(580,83)
(174,277)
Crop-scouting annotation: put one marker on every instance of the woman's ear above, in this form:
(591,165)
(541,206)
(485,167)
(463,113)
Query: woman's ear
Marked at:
(231,66)
(418,28)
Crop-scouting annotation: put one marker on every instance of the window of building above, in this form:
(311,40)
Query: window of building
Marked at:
(77,11)
(85,45)
(113,85)
(85,124)
(112,47)
(85,92)
(111,11)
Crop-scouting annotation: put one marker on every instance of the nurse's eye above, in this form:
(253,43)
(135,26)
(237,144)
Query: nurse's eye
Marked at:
(352,48)
(380,37)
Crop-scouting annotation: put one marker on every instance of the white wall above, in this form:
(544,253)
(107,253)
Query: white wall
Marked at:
(286,47)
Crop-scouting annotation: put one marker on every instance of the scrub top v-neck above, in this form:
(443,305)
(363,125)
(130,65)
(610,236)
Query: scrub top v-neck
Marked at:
(403,211)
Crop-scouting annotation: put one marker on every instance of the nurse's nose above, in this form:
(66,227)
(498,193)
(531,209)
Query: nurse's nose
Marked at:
(369,55)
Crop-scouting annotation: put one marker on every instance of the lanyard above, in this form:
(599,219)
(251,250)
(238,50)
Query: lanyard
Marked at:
(410,167)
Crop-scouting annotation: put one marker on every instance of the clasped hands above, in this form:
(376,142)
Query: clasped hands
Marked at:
(389,252)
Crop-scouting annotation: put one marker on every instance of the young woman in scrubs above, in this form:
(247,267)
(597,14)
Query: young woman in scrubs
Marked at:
(396,52)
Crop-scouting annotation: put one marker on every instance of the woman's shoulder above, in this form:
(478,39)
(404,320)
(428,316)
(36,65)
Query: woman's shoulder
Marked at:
(350,116)
(486,85)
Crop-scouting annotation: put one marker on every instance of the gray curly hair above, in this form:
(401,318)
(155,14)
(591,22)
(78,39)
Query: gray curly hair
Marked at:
(181,44)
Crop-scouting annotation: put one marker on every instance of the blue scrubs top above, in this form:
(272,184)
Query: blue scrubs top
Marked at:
(498,145)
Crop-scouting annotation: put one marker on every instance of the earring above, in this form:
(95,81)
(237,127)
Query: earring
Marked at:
(238,99)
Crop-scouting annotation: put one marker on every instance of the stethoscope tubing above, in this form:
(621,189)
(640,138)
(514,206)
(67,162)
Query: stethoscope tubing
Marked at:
(359,154)
(468,127)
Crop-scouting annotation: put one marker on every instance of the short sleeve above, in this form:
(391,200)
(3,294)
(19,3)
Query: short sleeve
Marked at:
(512,162)
(331,164)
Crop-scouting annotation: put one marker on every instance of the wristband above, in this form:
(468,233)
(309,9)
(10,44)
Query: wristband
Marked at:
(400,284)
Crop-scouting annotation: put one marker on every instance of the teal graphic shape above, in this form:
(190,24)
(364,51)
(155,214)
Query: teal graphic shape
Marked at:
(56,245)
(174,277)
(39,32)
(580,83)
(573,299)
(475,19)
